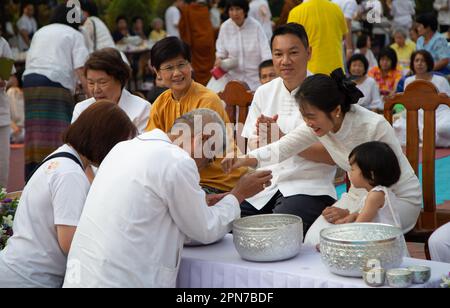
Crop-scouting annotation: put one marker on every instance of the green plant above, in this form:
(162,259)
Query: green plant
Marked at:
(8,209)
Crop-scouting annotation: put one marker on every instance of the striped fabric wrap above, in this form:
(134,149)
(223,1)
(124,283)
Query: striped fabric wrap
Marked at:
(48,112)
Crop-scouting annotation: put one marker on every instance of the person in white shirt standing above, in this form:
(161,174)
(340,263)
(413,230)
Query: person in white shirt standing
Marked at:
(54,64)
(5,118)
(52,201)
(241,37)
(300,187)
(136,217)
(349,8)
(172,18)
(27,26)
(260,10)
(443,9)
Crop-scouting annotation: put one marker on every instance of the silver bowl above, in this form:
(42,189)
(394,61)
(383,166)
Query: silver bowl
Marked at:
(346,248)
(267,238)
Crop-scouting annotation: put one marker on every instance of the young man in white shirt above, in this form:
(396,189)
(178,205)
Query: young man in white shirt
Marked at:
(172,18)
(300,186)
(133,237)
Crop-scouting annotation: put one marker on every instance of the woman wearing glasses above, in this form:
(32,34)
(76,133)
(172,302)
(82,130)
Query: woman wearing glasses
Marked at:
(171,60)
(107,74)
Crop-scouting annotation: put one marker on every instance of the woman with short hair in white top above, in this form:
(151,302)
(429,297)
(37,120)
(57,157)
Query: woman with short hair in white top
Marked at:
(54,64)
(52,201)
(241,37)
(358,66)
(422,64)
(107,75)
(332,116)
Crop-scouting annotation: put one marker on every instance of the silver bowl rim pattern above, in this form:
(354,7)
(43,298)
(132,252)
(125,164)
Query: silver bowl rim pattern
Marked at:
(237,222)
(360,242)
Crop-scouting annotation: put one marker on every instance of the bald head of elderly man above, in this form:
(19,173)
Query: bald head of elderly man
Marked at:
(146,199)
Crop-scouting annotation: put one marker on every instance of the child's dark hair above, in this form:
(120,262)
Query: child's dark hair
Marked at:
(378,163)
(327,93)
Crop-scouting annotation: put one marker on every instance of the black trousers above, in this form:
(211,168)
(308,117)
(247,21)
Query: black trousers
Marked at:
(309,208)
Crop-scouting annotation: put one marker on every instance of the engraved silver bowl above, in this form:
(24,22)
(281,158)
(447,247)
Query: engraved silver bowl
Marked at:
(267,238)
(345,249)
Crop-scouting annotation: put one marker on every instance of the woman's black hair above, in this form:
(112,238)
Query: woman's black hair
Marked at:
(361,42)
(294,29)
(428,20)
(60,16)
(167,49)
(378,163)
(428,60)
(243,4)
(391,54)
(327,93)
(358,57)
(121,17)
(90,7)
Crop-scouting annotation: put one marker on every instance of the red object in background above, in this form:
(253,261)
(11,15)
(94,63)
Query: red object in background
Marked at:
(218,72)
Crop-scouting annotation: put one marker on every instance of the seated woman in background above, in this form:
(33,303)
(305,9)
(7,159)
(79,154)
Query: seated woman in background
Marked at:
(107,75)
(386,74)
(422,65)
(364,45)
(357,65)
(53,199)
(404,48)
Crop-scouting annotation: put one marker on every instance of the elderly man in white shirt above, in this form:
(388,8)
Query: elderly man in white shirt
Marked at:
(242,38)
(300,187)
(5,119)
(133,237)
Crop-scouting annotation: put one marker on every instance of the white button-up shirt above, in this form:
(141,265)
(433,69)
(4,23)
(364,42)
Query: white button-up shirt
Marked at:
(296,175)
(29,25)
(248,44)
(137,109)
(144,201)
(56,51)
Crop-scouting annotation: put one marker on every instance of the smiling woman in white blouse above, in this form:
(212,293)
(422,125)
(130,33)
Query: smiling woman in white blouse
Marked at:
(242,38)
(107,75)
(332,117)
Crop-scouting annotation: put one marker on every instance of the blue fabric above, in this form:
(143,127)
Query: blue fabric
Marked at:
(437,46)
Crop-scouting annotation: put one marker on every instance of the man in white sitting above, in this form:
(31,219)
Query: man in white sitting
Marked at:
(146,199)
(439,244)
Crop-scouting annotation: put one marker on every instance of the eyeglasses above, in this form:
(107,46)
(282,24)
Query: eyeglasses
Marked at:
(172,68)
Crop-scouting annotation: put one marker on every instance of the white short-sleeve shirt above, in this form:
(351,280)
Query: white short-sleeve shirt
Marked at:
(348,7)
(56,51)
(295,175)
(137,109)
(172,17)
(248,44)
(55,195)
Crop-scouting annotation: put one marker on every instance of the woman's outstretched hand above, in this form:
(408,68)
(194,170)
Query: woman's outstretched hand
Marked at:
(231,163)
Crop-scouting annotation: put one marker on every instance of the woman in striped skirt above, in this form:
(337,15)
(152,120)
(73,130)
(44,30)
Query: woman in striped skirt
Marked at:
(54,63)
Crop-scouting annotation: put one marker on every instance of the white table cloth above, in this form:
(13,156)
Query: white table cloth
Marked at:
(220,266)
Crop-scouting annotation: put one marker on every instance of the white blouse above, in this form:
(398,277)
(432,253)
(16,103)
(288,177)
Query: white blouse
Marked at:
(248,44)
(359,126)
(56,51)
(137,109)
(372,98)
